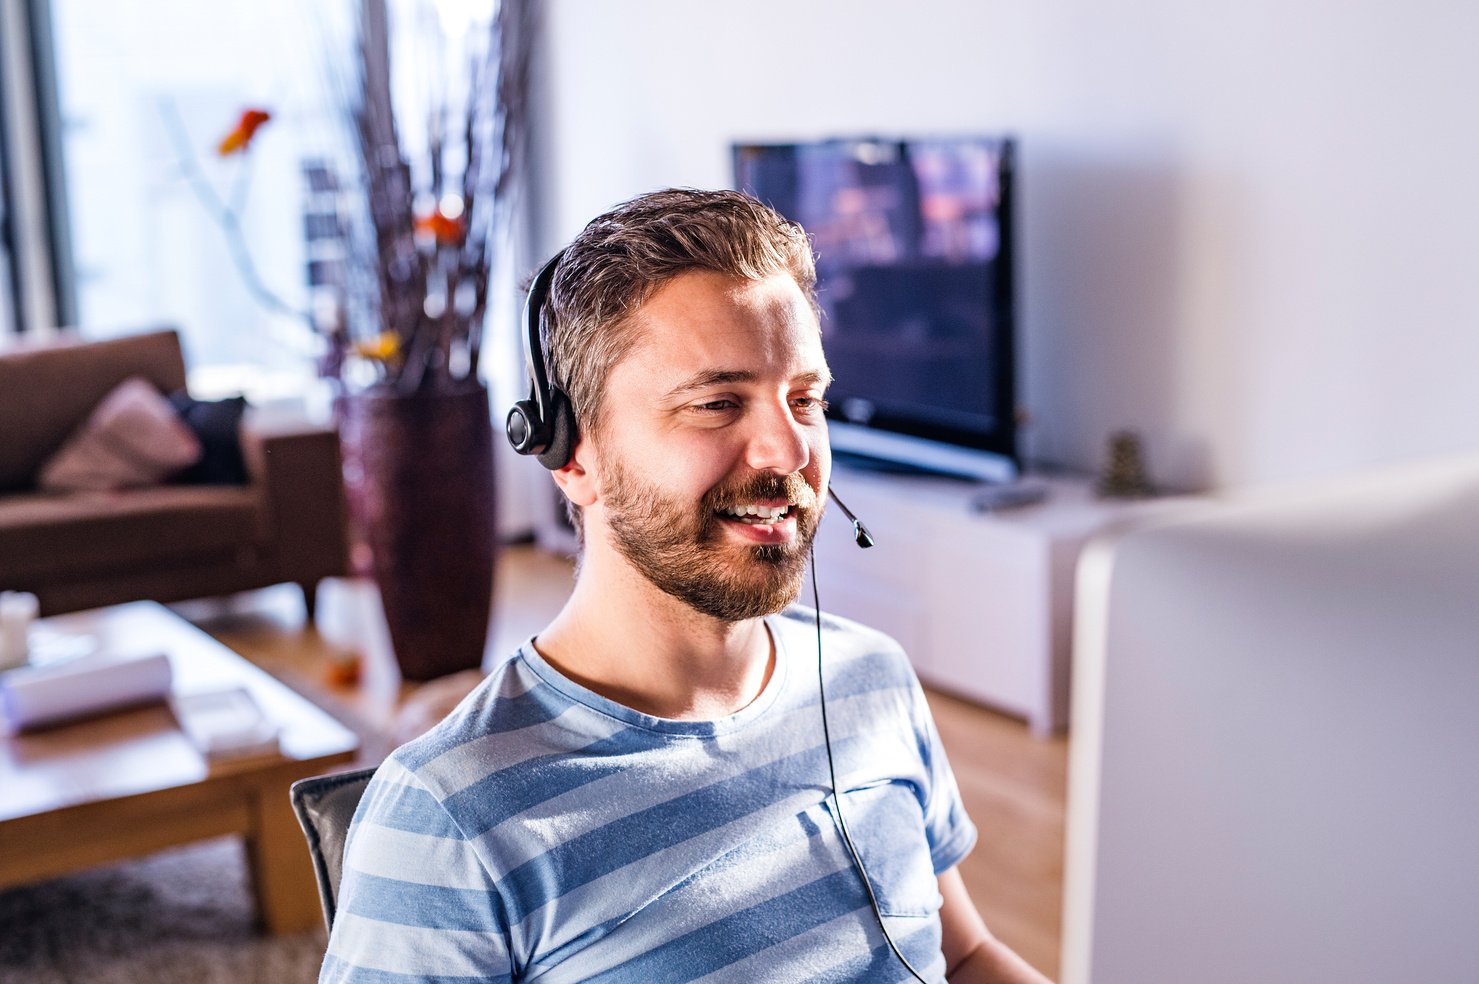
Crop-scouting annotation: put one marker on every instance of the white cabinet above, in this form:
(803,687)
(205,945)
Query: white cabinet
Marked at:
(981,601)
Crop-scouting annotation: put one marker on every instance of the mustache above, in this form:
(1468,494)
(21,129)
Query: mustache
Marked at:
(793,488)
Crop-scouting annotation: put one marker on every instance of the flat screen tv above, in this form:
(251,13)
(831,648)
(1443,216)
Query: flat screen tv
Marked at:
(914,251)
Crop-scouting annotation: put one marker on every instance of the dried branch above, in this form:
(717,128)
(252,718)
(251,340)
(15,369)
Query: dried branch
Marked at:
(432,290)
(227,217)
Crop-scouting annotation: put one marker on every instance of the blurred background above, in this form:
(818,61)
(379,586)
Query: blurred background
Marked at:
(1245,234)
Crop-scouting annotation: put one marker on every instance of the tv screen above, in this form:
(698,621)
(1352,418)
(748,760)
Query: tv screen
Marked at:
(914,276)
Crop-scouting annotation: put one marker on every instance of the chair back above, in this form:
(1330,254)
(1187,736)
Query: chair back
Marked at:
(325,805)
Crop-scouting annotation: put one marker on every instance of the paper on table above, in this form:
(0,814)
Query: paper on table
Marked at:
(33,696)
(226,724)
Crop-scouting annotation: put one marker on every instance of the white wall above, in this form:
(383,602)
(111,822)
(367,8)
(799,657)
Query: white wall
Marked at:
(1248,230)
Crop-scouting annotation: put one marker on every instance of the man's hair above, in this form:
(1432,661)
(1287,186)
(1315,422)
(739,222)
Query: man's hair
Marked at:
(624,256)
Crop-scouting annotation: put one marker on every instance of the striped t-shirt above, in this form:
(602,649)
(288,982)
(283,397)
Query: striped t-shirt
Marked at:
(544,833)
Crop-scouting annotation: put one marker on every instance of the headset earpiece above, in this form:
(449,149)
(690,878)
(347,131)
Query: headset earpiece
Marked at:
(544,424)
(524,427)
(561,443)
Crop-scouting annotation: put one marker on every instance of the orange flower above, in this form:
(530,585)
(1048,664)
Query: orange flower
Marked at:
(441,227)
(382,348)
(240,137)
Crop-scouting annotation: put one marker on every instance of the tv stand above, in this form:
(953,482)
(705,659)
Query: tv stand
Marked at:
(863,462)
(980,598)
(902,454)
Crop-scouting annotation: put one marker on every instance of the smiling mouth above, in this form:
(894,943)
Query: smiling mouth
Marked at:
(757,515)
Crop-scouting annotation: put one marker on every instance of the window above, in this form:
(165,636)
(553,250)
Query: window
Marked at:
(147,89)
(9,316)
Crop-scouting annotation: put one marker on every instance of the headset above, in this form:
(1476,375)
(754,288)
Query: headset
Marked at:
(544,426)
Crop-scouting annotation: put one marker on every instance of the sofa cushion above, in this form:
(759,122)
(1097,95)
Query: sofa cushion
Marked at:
(54,387)
(132,439)
(49,537)
(217,425)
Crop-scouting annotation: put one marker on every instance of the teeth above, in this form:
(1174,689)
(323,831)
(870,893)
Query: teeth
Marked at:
(763,514)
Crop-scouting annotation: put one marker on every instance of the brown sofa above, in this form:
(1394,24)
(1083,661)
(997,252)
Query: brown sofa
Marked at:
(168,542)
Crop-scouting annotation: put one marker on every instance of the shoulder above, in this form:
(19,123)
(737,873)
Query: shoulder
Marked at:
(509,711)
(850,648)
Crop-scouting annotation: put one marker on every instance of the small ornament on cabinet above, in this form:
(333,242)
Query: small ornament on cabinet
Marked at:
(1124,475)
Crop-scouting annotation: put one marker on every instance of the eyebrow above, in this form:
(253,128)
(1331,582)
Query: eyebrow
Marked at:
(718,377)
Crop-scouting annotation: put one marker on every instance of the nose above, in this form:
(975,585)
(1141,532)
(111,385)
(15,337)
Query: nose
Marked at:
(777,441)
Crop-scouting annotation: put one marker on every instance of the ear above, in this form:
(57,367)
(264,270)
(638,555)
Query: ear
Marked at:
(577,478)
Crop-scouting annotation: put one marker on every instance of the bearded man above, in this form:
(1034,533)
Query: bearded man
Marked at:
(645,790)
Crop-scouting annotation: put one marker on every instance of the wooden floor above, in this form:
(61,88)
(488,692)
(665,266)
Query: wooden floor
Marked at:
(1014,787)
(1013,784)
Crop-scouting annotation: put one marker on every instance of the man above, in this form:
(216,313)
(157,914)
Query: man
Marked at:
(644,791)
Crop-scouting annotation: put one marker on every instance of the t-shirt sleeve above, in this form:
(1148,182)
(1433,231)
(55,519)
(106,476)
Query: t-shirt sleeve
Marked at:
(947,827)
(416,902)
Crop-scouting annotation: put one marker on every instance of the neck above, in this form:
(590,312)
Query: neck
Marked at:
(630,642)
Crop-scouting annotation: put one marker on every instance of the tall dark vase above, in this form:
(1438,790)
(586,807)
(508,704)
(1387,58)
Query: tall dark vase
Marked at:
(421,469)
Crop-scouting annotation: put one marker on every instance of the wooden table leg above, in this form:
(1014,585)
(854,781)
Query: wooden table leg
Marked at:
(281,869)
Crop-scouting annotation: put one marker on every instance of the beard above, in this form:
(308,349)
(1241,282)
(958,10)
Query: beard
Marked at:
(683,550)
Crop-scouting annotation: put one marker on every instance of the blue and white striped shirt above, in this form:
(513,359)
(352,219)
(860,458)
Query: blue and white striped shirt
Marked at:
(544,833)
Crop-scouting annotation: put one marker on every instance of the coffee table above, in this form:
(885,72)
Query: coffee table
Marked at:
(129,783)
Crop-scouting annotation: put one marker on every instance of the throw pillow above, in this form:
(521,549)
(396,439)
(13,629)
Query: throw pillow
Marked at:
(132,438)
(217,425)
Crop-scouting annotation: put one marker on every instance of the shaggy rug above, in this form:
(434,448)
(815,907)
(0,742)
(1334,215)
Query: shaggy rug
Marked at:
(183,915)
